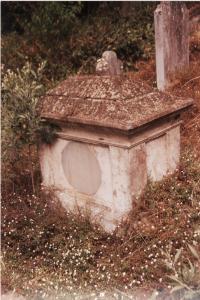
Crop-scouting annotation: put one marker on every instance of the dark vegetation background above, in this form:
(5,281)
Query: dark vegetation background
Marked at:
(72,35)
(41,243)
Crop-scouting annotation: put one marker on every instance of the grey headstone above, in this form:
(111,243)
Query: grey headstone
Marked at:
(171,40)
(109,64)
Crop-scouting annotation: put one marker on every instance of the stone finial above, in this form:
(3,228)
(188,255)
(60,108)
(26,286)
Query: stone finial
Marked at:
(109,64)
(171,21)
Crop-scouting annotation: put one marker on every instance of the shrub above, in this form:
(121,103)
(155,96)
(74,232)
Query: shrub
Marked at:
(22,123)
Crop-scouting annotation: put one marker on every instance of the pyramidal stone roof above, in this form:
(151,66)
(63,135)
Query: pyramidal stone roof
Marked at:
(109,101)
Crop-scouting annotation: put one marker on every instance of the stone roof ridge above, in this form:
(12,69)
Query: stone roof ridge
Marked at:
(124,98)
(108,101)
(154,92)
(96,87)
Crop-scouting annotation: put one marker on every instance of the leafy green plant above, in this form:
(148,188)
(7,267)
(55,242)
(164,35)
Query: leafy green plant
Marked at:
(21,91)
(53,20)
(22,124)
(185,276)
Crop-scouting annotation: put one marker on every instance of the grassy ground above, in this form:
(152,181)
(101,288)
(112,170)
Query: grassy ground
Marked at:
(45,250)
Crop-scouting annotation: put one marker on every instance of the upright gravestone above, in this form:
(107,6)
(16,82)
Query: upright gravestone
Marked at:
(172,41)
(109,64)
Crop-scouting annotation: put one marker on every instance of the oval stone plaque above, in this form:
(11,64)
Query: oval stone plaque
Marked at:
(81,168)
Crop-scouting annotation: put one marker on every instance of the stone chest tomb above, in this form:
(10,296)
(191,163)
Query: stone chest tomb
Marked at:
(115,134)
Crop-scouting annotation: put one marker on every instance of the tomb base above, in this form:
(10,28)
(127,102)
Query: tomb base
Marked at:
(103,174)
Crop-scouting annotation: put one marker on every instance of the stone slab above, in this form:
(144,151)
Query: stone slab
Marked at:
(81,167)
(171,19)
(117,102)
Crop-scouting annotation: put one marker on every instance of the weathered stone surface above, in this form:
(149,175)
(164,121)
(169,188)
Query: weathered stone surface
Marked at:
(173,149)
(156,151)
(105,181)
(120,166)
(81,168)
(98,205)
(171,40)
(138,170)
(163,154)
(109,64)
(109,101)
